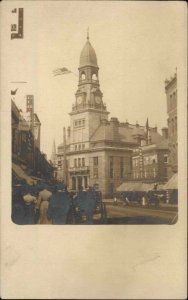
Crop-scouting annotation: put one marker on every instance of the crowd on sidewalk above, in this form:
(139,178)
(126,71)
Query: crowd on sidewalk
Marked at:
(51,203)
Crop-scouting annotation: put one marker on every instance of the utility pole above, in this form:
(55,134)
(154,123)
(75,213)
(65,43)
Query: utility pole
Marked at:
(64,157)
(30,108)
(32,131)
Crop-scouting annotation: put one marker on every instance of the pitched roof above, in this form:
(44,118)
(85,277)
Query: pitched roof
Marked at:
(125,133)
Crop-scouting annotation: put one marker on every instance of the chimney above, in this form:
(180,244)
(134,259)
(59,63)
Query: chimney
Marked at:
(68,132)
(115,128)
(165,132)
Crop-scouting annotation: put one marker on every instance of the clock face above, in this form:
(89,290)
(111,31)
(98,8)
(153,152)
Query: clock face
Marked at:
(79,100)
(98,99)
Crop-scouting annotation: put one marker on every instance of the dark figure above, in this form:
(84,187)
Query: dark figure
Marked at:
(18,207)
(90,205)
(80,204)
(59,206)
(153,199)
(30,205)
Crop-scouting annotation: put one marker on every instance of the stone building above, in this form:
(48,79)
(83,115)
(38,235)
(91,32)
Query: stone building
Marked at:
(98,149)
(171,96)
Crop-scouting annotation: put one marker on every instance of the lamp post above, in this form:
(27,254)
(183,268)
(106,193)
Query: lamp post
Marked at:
(64,157)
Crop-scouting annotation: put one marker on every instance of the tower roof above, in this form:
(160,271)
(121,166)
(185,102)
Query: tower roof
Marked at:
(88,56)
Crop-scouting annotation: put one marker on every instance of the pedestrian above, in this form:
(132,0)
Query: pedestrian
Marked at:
(80,203)
(115,199)
(30,206)
(42,204)
(59,205)
(143,199)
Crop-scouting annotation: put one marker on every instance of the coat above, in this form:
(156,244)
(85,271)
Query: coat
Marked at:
(43,218)
(42,204)
(59,207)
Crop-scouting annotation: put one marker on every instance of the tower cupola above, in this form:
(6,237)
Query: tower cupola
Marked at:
(88,56)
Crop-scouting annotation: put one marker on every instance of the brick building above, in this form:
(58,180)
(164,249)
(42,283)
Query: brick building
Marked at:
(171,96)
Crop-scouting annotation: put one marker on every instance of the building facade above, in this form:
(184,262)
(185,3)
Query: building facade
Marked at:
(150,160)
(26,144)
(98,149)
(171,97)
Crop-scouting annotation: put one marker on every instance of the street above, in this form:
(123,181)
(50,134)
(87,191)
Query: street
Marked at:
(119,214)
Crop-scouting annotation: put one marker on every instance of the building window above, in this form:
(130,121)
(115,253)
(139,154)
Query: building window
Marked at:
(79,162)
(95,167)
(94,76)
(74,183)
(136,162)
(133,162)
(95,172)
(83,162)
(121,167)
(111,167)
(83,122)
(95,161)
(75,123)
(75,147)
(165,158)
(75,162)
(79,147)
(83,146)
(59,163)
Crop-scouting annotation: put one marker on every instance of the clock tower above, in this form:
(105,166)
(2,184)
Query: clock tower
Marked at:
(88,109)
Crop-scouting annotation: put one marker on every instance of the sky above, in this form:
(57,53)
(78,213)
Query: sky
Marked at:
(138,45)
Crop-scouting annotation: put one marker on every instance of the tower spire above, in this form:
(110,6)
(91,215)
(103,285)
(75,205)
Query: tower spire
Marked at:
(88,33)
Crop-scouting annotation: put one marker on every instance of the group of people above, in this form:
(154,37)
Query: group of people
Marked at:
(51,203)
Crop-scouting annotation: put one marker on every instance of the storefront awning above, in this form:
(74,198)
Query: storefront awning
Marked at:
(172,184)
(19,172)
(133,186)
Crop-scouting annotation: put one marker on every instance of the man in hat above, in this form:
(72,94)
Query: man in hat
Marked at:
(59,205)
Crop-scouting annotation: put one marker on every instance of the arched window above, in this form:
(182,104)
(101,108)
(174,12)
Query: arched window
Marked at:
(94,76)
(83,76)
